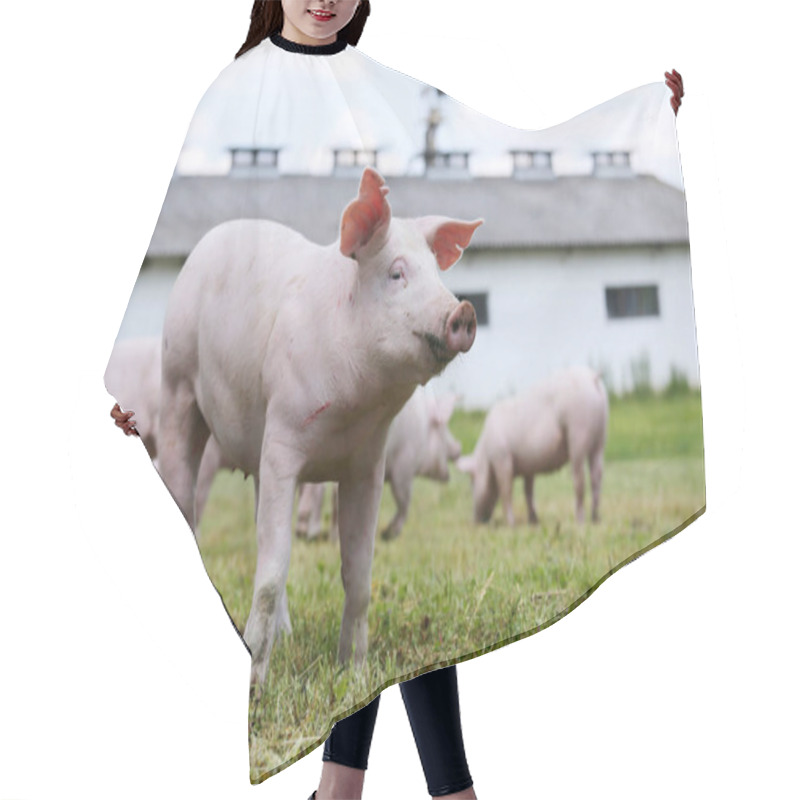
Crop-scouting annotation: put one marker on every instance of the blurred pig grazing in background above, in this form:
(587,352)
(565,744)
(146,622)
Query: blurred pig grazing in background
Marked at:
(311,497)
(133,377)
(563,418)
(419,443)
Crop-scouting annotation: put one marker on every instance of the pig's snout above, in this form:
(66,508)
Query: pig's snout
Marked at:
(460,328)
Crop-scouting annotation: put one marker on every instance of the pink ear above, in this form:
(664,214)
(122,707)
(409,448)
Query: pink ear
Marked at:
(368,214)
(448,238)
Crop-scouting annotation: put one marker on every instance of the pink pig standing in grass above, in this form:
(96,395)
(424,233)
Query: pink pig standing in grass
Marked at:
(559,420)
(296,357)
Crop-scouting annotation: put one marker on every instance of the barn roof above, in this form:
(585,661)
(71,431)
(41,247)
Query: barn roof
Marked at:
(566,211)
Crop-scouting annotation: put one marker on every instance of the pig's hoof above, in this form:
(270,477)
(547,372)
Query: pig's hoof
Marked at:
(392,532)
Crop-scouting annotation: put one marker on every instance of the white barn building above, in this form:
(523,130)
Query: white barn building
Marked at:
(590,269)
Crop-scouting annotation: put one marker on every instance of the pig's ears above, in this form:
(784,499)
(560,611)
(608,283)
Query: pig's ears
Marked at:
(447,238)
(369,214)
(466,464)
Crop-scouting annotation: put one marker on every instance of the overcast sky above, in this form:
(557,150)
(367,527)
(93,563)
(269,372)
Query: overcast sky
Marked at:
(262,99)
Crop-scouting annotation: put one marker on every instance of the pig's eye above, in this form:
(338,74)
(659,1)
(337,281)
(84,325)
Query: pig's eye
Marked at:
(397,271)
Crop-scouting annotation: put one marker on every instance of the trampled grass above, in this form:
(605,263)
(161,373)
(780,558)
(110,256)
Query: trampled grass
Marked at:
(446,588)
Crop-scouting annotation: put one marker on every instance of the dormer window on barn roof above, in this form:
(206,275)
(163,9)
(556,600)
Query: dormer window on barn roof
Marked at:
(532,164)
(612,164)
(260,162)
(447,164)
(349,161)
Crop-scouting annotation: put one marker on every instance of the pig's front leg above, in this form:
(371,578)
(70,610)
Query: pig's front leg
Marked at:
(596,474)
(182,437)
(284,622)
(579,481)
(401,482)
(309,510)
(359,499)
(335,513)
(276,488)
(504,473)
(533,518)
(315,521)
(210,465)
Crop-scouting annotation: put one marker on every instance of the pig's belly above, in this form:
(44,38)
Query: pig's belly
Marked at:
(236,419)
(547,452)
(241,445)
(232,342)
(322,443)
(322,471)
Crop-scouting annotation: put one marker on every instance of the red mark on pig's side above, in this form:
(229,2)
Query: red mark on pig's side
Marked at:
(311,417)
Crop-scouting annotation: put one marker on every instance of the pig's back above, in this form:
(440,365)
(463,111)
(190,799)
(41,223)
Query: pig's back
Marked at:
(227,293)
(241,263)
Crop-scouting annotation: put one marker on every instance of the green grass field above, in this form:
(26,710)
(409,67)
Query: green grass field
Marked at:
(447,589)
